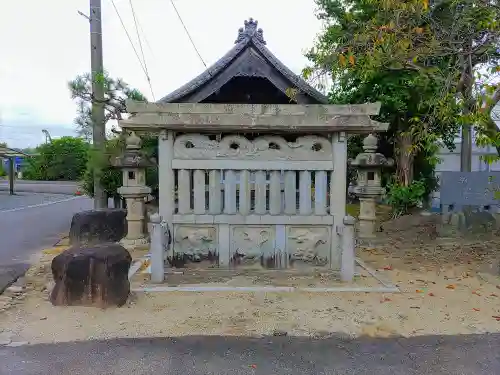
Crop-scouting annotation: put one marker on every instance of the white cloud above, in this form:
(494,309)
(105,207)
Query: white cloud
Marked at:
(51,46)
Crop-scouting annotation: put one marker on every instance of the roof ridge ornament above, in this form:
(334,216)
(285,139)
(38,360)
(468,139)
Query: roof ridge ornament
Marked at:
(250,31)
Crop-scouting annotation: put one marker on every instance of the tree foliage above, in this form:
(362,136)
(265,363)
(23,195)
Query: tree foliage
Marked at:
(63,159)
(418,58)
(116,92)
(112,178)
(436,48)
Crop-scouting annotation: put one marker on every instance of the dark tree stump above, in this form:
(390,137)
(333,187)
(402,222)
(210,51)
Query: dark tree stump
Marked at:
(91,276)
(98,226)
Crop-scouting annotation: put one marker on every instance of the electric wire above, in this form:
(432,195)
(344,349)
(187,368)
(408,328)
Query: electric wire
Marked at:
(133,47)
(140,47)
(188,34)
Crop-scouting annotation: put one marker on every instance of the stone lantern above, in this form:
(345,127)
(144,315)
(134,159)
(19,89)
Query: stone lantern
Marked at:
(369,165)
(134,190)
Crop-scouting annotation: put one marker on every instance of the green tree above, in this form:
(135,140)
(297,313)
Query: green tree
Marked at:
(116,92)
(63,159)
(2,169)
(112,178)
(348,50)
(452,44)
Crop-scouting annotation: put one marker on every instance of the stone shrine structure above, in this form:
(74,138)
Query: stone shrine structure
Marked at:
(369,189)
(249,176)
(134,190)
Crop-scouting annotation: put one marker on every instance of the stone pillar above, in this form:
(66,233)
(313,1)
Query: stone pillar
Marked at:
(135,218)
(338,193)
(134,191)
(348,258)
(157,250)
(369,189)
(367,216)
(166,175)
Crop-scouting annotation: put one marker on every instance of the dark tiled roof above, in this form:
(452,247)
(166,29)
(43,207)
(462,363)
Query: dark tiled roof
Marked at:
(249,36)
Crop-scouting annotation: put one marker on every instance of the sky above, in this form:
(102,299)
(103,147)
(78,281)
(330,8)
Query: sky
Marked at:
(51,45)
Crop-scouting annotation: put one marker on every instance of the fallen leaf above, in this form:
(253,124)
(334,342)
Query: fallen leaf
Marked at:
(450,286)
(476,309)
(431,294)
(351,60)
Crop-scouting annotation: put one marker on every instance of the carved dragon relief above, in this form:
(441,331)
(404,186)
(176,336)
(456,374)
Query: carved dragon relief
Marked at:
(236,147)
(251,245)
(309,245)
(196,243)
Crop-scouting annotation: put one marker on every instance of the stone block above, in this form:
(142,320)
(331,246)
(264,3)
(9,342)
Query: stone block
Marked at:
(468,222)
(95,275)
(98,226)
(491,267)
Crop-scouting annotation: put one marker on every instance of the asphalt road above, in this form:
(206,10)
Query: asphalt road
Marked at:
(48,187)
(436,355)
(30,222)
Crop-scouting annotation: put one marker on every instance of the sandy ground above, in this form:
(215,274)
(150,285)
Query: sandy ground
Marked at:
(443,292)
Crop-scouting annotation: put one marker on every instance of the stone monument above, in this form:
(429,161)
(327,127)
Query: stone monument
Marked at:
(134,190)
(369,166)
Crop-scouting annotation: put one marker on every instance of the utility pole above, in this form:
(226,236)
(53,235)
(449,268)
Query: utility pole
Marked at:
(98,125)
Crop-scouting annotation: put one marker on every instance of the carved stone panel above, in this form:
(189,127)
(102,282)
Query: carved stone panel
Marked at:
(308,246)
(237,147)
(253,246)
(194,244)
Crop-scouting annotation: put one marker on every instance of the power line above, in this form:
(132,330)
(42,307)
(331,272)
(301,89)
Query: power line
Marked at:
(140,47)
(146,39)
(138,36)
(188,34)
(133,47)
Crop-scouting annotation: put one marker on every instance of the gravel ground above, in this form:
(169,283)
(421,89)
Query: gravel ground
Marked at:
(430,303)
(443,293)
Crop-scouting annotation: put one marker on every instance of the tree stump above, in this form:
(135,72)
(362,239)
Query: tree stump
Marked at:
(94,276)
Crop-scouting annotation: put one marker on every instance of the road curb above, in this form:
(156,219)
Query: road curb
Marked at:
(9,274)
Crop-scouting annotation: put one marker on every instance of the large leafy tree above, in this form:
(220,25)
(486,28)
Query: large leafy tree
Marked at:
(419,59)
